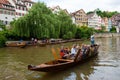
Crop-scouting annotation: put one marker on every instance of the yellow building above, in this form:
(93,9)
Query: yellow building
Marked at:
(105,23)
(80,17)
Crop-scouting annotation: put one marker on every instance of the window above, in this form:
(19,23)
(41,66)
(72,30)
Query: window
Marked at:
(8,13)
(4,12)
(6,22)
(19,14)
(19,7)
(11,13)
(23,14)
(26,9)
(16,13)
(29,4)
(1,11)
(23,9)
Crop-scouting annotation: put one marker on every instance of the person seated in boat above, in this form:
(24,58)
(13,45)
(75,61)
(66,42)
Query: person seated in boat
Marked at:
(77,47)
(73,50)
(93,48)
(64,52)
(87,50)
(84,50)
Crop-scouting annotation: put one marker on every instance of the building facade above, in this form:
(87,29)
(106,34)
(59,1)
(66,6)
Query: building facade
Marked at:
(94,20)
(109,24)
(79,17)
(7,11)
(13,9)
(106,22)
(116,22)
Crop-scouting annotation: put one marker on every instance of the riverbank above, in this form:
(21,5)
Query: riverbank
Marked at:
(102,35)
(39,42)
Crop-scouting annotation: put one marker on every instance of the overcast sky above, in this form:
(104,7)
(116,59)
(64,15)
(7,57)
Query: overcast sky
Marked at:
(87,5)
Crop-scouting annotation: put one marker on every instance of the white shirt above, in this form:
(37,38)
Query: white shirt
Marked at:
(92,38)
(73,51)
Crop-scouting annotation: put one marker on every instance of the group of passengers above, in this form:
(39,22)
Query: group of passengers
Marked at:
(84,50)
(34,41)
(66,53)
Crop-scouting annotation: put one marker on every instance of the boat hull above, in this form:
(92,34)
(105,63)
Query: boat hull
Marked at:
(16,44)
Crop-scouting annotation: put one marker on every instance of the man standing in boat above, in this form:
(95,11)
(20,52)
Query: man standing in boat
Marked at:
(92,40)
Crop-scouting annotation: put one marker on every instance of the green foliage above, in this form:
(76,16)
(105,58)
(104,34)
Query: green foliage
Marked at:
(2,40)
(104,13)
(69,35)
(2,26)
(103,28)
(84,32)
(66,25)
(113,29)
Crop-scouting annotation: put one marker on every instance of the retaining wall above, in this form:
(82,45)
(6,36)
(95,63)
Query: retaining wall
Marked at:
(98,35)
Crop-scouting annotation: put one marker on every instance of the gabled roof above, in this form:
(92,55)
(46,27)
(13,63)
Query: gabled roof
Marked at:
(65,10)
(116,17)
(78,11)
(19,3)
(56,7)
(4,3)
(90,15)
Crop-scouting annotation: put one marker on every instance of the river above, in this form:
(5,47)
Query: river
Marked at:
(105,66)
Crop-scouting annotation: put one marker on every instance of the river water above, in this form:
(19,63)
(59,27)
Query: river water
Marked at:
(105,66)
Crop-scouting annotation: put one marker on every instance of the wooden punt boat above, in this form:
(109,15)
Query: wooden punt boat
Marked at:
(62,64)
(15,44)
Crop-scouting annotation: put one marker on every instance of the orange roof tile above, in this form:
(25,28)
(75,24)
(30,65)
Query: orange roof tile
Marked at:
(4,1)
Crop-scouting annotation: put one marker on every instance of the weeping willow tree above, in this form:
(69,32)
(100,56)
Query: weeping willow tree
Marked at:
(36,23)
(40,22)
(66,26)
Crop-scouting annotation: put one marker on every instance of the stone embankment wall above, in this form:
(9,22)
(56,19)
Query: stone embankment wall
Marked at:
(101,35)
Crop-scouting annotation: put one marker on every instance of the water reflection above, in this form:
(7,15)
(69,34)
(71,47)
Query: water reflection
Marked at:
(109,48)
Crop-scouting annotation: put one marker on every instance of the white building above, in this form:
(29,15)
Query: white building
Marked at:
(13,9)
(94,21)
(7,11)
(21,7)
